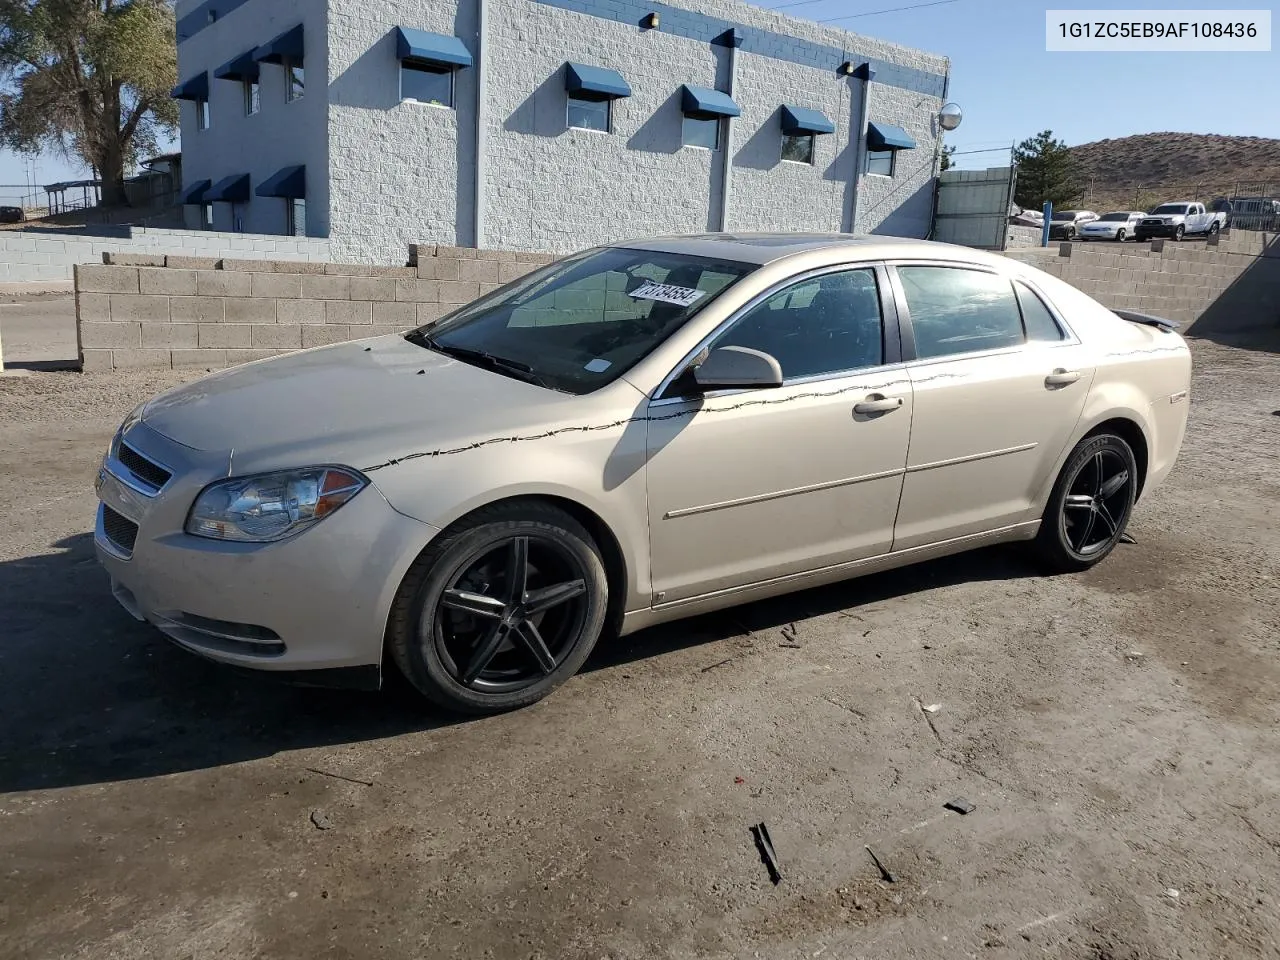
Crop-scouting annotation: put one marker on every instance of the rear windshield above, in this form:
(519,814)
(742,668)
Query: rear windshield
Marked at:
(1171,208)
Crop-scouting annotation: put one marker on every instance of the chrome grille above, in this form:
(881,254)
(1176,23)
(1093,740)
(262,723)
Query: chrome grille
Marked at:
(119,529)
(148,471)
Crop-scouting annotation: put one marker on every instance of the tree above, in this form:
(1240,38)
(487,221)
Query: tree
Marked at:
(947,162)
(1046,171)
(90,78)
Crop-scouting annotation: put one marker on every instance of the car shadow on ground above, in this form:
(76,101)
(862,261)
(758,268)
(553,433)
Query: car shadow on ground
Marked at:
(91,696)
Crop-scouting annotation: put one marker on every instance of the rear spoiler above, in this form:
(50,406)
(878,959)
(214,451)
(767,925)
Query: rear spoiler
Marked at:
(1146,319)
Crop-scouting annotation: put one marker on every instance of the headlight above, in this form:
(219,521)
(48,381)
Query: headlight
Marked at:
(271,506)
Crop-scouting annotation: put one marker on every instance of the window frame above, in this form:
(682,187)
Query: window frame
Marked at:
(907,332)
(713,118)
(288,64)
(813,148)
(893,345)
(893,163)
(204,115)
(420,67)
(291,224)
(252,97)
(571,99)
(206,216)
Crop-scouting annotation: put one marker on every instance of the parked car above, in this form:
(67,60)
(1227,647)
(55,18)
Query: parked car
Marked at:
(1178,220)
(12,215)
(1027,218)
(1066,224)
(1117,225)
(632,435)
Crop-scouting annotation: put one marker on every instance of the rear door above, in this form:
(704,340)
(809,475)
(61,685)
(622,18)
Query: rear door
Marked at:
(998,385)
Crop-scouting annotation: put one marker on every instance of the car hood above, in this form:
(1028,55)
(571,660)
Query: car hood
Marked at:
(359,404)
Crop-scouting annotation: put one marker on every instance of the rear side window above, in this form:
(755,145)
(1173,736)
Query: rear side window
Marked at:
(1036,318)
(954,310)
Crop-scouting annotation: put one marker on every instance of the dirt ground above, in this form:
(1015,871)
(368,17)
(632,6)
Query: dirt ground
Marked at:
(1117,732)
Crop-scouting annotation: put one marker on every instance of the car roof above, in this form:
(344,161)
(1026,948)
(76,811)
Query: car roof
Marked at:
(762,248)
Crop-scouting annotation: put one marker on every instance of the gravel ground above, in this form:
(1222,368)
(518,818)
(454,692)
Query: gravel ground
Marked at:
(1116,732)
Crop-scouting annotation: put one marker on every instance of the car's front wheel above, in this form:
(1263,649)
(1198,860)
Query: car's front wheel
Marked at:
(1120,234)
(500,609)
(1090,504)
(1179,233)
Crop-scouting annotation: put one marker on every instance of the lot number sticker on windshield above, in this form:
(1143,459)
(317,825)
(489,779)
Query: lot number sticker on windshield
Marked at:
(667,293)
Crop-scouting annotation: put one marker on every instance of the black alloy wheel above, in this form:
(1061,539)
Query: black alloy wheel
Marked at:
(1090,505)
(500,609)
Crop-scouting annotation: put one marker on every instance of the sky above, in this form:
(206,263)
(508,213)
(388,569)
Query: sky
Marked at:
(1010,88)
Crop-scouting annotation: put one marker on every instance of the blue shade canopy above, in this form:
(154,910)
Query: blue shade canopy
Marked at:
(232,189)
(885,136)
(801,120)
(291,183)
(243,67)
(287,45)
(704,100)
(596,83)
(195,192)
(438,49)
(197,88)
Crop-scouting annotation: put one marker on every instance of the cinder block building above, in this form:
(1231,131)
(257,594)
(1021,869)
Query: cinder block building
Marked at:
(546,124)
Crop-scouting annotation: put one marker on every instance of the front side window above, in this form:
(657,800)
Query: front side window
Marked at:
(294,80)
(954,310)
(701,132)
(296,217)
(579,324)
(820,326)
(203,116)
(588,114)
(881,162)
(426,84)
(252,98)
(797,147)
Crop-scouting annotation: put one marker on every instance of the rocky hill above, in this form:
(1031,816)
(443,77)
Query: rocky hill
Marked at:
(1143,170)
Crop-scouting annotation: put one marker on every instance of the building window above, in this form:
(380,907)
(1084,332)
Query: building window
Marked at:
(797,147)
(701,132)
(589,114)
(203,116)
(252,98)
(206,214)
(426,83)
(294,80)
(881,162)
(296,216)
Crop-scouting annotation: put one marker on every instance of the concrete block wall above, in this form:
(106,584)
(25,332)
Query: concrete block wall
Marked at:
(138,311)
(28,256)
(1231,286)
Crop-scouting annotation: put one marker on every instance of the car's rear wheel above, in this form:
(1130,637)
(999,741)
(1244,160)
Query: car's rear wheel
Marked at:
(1213,229)
(1091,503)
(500,609)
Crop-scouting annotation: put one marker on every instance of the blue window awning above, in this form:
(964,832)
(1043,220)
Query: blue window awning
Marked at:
(286,46)
(708,102)
(195,192)
(197,88)
(595,83)
(291,183)
(885,136)
(232,189)
(243,67)
(433,49)
(801,120)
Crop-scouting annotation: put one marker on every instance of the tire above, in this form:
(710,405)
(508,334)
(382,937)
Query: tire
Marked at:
(1069,233)
(1120,235)
(1101,470)
(1213,229)
(1179,232)
(456,608)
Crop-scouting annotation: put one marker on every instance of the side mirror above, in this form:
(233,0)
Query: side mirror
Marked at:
(729,368)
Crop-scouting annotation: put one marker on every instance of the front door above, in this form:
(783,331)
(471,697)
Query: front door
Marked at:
(747,486)
(999,387)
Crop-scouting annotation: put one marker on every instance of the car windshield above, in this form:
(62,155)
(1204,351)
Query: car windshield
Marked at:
(1065,215)
(1171,208)
(1114,217)
(582,322)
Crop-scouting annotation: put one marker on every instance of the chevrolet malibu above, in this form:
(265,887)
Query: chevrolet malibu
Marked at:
(633,434)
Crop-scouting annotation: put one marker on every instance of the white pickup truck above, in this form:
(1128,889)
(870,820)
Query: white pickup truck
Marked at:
(1178,220)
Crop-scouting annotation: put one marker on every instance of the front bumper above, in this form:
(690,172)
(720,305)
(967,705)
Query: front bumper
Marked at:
(1097,234)
(316,602)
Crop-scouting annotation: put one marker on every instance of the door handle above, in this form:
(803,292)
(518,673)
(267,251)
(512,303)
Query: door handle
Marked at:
(877,403)
(1061,378)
